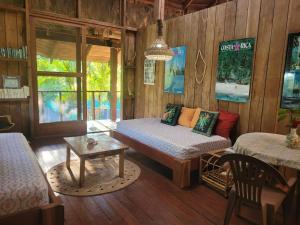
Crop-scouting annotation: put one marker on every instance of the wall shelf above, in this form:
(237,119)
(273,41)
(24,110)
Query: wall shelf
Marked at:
(14,100)
(6,59)
(12,8)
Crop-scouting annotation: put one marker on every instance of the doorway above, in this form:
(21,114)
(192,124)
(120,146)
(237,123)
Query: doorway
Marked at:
(103,60)
(76,80)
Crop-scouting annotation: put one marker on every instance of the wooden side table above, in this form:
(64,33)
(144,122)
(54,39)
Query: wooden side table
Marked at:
(106,146)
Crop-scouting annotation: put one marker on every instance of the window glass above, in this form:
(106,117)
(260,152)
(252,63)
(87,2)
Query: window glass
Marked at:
(57,99)
(56,48)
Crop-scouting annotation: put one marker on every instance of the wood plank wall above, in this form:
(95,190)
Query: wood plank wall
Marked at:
(129,58)
(269,21)
(13,35)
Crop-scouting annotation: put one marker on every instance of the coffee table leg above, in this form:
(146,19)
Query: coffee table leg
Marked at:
(82,172)
(68,157)
(298,198)
(121,164)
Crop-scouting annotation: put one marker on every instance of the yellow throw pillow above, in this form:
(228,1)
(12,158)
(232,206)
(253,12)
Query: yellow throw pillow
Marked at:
(186,116)
(195,117)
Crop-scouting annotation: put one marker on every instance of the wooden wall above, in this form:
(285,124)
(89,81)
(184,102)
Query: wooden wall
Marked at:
(269,21)
(66,7)
(13,35)
(138,14)
(129,58)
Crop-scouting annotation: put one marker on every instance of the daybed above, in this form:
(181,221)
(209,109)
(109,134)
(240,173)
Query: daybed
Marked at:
(25,195)
(173,146)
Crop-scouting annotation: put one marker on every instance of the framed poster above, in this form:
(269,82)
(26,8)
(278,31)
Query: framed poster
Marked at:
(149,72)
(234,72)
(290,97)
(11,82)
(174,71)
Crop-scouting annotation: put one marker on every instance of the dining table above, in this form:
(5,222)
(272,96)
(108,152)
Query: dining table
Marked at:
(271,148)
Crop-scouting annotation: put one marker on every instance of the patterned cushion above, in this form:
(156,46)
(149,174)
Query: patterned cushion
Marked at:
(4,122)
(176,141)
(206,123)
(23,185)
(171,114)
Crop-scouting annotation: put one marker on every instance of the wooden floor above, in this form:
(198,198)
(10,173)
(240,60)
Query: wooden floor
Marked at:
(151,200)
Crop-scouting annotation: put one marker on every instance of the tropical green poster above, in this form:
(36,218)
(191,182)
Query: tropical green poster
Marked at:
(290,98)
(235,70)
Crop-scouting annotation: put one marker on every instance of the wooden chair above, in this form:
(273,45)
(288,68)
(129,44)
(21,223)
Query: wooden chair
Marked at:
(259,185)
(6,123)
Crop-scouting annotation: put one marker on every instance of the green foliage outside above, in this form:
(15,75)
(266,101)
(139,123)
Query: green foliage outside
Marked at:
(98,79)
(98,75)
(292,114)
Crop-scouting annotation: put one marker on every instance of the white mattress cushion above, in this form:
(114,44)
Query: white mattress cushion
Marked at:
(177,141)
(23,185)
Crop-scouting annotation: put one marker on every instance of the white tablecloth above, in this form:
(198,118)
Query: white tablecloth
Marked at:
(270,148)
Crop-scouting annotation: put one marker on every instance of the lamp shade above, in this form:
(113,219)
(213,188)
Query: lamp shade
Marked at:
(159,50)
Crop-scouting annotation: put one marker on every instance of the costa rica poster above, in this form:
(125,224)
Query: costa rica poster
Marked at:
(234,71)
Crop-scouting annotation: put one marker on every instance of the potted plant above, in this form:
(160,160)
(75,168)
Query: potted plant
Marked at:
(292,139)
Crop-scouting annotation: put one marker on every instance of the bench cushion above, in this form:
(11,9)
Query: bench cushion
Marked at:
(22,185)
(177,141)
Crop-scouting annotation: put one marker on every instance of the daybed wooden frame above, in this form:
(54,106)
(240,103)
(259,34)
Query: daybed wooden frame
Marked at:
(181,168)
(50,214)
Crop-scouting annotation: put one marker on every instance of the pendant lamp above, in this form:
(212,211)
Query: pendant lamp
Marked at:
(159,50)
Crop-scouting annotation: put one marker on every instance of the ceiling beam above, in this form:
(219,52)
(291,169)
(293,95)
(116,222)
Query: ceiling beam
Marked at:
(159,9)
(199,5)
(187,4)
(168,4)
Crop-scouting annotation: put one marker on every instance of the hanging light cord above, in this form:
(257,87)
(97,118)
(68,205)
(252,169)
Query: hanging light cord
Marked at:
(199,82)
(159,28)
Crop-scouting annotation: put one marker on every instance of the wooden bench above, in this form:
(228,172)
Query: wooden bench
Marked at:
(181,168)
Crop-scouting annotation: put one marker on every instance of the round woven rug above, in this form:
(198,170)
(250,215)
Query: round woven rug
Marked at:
(101,176)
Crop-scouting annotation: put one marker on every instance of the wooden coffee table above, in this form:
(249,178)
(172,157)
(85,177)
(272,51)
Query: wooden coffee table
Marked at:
(107,146)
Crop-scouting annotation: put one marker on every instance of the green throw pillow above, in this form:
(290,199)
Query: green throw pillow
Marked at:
(171,114)
(4,122)
(206,123)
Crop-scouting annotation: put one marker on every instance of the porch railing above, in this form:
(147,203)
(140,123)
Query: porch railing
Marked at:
(57,106)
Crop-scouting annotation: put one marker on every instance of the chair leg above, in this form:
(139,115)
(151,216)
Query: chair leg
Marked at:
(238,207)
(286,207)
(270,216)
(285,211)
(231,204)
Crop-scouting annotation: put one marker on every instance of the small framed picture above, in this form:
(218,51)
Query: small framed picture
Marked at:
(149,72)
(11,82)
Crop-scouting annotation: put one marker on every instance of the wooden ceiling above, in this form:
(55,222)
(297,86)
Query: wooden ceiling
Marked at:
(192,5)
(67,51)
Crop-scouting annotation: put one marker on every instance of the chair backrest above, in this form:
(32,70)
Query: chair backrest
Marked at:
(250,175)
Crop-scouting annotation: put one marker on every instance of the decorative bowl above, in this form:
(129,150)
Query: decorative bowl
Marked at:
(91,141)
